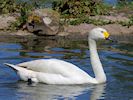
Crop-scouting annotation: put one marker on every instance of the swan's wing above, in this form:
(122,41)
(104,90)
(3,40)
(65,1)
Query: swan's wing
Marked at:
(53,66)
(48,65)
(40,65)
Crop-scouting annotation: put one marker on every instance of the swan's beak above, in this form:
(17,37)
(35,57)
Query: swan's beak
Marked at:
(106,35)
(108,38)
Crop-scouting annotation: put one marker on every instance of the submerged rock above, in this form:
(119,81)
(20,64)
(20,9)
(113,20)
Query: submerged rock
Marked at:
(44,22)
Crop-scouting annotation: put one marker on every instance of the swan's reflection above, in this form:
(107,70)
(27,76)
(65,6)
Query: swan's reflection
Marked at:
(52,92)
(98,92)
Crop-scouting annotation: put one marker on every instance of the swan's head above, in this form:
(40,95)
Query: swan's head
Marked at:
(98,33)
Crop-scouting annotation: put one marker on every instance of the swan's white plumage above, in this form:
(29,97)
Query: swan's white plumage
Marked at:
(54,71)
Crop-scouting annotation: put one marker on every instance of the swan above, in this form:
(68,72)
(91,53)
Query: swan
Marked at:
(55,71)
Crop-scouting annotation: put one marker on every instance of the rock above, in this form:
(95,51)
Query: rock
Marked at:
(44,22)
(5,21)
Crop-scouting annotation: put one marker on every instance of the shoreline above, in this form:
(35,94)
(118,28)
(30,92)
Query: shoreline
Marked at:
(121,33)
(64,30)
(76,31)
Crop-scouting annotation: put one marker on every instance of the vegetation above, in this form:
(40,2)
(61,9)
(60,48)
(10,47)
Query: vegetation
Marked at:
(75,11)
(78,8)
(123,4)
(127,23)
(24,11)
(100,22)
(80,11)
(8,6)
(89,20)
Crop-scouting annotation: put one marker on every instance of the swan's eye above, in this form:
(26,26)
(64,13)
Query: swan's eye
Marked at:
(102,31)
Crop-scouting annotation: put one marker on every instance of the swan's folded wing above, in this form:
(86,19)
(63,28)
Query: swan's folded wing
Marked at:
(50,66)
(35,65)
(55,66)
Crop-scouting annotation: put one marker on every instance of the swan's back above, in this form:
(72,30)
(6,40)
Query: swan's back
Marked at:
(54,66)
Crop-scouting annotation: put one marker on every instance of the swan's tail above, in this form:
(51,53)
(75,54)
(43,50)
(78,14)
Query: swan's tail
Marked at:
(26,75)
(14,67)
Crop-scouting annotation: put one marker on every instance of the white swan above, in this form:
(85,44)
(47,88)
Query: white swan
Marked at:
(54,71)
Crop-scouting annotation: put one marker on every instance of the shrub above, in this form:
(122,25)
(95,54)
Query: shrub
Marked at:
(24,10)
(77,8)
(8,6)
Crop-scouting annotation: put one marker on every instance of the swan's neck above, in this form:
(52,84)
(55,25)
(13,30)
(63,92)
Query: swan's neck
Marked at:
(95,62)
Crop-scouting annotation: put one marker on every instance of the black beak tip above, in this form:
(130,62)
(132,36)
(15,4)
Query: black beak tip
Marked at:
(110,39)
(107,38)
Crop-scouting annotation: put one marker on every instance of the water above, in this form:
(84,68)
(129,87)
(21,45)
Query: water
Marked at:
(117,59)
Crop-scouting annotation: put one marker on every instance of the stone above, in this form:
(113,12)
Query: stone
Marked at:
(44,22)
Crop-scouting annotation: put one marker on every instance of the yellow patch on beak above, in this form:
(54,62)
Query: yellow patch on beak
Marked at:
(106,35)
